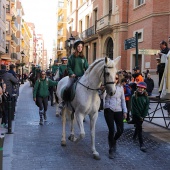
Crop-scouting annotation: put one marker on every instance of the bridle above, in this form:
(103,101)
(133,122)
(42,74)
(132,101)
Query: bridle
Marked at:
(104,76)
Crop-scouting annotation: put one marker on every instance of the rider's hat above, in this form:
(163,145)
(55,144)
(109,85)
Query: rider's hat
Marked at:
(77,42)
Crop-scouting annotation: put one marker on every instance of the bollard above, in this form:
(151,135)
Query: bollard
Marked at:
(1,150)
(9,116)
(13,100)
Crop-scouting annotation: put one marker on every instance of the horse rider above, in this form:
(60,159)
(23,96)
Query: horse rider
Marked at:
(77,65)
(55,66)
(63,67)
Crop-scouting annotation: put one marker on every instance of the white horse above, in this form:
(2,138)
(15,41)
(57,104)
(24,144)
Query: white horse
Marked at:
(86,100)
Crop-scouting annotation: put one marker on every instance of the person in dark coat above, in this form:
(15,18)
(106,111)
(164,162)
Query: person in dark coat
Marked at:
(11,70)
(9,79)
(150,84)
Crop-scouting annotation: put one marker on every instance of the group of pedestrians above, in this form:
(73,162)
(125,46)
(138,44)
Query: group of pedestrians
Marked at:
(9,90)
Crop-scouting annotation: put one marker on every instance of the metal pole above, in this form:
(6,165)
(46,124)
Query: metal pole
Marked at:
(136,35)
(9,116)
(1,150)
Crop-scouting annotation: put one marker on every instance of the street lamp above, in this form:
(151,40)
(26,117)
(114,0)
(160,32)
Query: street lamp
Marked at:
(50,64)
(22,54)
(70,43)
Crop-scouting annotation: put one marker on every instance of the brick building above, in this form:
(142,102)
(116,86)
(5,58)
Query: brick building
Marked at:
(105,25)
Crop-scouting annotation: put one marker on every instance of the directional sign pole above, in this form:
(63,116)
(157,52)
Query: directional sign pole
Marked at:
(136,36)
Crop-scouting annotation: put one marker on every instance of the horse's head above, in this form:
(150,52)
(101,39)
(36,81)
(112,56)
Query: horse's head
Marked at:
(110,74)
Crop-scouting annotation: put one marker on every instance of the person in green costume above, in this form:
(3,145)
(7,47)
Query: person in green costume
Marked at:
(63,67)
(55,67)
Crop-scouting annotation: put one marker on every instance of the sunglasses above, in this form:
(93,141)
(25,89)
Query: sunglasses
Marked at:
(117,78)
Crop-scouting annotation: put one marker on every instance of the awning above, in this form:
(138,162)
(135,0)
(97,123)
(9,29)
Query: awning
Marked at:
(5,62)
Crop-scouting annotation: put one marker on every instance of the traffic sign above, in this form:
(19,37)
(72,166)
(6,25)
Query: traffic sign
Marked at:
(148,51)
(130,43)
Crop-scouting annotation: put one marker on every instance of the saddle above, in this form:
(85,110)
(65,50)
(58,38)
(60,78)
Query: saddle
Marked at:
(68,94)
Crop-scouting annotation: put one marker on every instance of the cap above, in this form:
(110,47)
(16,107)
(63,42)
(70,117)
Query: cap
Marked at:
(64,59)
(142,84)
(56,61)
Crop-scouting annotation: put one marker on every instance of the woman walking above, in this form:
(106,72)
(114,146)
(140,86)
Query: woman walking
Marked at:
(115,111)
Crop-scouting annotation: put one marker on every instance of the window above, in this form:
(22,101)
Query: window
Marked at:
(95,16)
(94,51)
(7,27)
(80,26)
(7,46)
(7,6)
(87,52)
(138,2)
(140,35)
(87,22)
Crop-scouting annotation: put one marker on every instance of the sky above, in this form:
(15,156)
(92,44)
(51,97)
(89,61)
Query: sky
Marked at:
(43,14)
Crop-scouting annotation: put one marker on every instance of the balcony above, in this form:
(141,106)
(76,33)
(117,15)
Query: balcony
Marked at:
(14,23)
(88,33)
(14,56)
(14,40)
(104,24)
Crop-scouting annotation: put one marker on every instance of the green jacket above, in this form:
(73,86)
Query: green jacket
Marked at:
(41,87)
(54,68)
(62,68)
(77,65)
(140,105)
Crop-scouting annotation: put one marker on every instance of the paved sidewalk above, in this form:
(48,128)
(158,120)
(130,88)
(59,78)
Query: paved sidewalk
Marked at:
(35,147)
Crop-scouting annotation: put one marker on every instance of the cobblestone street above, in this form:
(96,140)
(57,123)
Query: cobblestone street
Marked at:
(35,147)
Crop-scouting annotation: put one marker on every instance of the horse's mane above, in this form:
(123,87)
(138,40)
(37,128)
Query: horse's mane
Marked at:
(93,65)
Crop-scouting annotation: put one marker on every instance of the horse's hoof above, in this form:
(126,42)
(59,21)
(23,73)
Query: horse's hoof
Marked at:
(63,143)
(96,157)
(71,138)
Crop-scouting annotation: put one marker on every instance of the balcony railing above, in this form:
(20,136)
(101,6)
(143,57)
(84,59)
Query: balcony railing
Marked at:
(14,38)
(87,33)
(14,56)
(104,22)
(60,32)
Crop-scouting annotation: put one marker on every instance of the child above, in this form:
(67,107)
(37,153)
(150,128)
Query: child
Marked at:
(127,92)
(139,109)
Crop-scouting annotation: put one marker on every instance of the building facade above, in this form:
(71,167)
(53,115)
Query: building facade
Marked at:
(61,28)
(105,25)
(2,29)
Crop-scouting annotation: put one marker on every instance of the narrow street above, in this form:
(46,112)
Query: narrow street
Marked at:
(35,147)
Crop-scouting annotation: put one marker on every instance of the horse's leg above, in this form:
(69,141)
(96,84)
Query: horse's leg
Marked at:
(72,137)
(58,110)
(93,120)
(63,140)
(80,118)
